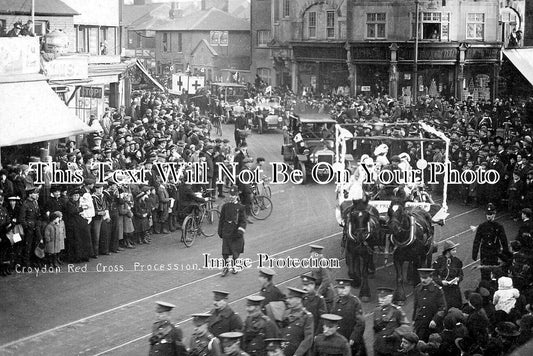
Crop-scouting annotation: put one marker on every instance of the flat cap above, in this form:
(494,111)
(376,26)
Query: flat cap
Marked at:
(220,294)
(274,344)
(295,292)
(316,248)
(385,290)
(343,282)
(307,279)
(426,270)
(254,300)
(232,335)
(331,317)
(200,318)
(267,272)
(163,307)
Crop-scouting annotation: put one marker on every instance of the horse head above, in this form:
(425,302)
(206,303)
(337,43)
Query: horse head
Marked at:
(399,222)
(359,221)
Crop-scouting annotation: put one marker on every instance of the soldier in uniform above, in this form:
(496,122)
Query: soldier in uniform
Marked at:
(429,304)
(231,228)
(268,289)
(298,325)
(274,347)
(490,241)
(330,342)
(231,344)
(387,317)
(313,302)
(257,327)
(202,342)
(166,338)
(352,325)
(29,219)
(323,277)
(223,318)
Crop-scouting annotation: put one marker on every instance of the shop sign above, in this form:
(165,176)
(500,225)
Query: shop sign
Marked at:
(428,54)
(370,53)
(67,68)
(365,88)
(19,55)
(92,92)
(327,53)
(482,53)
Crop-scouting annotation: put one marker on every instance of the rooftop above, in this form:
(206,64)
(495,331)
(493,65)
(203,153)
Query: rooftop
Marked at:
(42,8)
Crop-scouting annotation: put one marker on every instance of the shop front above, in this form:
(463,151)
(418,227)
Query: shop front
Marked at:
(320,68)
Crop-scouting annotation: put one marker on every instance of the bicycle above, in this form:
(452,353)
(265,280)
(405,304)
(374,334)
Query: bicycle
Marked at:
(261,207)
(263,188)
(203,220)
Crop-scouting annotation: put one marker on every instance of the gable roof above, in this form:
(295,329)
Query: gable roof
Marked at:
(42,8)
(206,44)
(204,20)
(132,13)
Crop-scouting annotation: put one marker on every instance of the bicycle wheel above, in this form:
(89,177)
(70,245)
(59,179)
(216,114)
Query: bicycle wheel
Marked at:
(209,223)
(188,231)
(261,207)
(267,191)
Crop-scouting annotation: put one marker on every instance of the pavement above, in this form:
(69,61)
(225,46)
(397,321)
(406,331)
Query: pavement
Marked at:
(107,306)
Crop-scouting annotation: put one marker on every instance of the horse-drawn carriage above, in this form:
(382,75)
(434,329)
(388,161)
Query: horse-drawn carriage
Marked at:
(401,225)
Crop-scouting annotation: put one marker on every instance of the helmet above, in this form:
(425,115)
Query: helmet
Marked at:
(491,208)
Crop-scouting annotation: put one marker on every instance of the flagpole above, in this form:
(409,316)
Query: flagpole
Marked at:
(32,16)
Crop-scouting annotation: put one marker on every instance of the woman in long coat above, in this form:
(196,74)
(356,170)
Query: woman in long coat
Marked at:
(78,230)
(448,274)
(231,228)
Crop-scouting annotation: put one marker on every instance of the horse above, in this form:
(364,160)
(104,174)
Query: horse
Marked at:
(361,232)
(412,236)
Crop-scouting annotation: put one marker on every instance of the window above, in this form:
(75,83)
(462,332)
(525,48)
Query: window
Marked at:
(180,42)
(264,74)
(41,27)
(432,26)
(330,24)
(475,26)
(276,10)
(286,8)
(375,25)
(263,37)
(312,24)
(166,42)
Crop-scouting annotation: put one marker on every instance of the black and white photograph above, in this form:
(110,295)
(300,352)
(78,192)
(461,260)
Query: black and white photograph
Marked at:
(266,177)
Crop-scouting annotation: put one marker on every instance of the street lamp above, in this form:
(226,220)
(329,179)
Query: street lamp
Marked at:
(415,62)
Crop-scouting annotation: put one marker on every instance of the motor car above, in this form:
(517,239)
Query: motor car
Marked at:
(232,95)
(309,140)
(268,114)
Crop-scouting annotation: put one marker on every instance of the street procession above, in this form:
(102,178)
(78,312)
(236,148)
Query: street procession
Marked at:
(266,177)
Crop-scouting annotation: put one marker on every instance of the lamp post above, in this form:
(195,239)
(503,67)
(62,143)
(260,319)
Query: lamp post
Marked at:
(415,61)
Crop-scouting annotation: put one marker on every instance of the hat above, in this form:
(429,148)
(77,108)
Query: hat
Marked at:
(295,292)
(508,329)
(381,149)
(385,290)
(395,158)
(254,300)
(491,209)
(266,272)
(233,335)
(273,344)
(411,337)
(233,191)
(200,318)
(13,197)
(163,307)
(220,294)
(89,181)
(32,189)
(343,282)
(475,300)
(448,245)
(527,212)
(405,155)
(333,318)
(307,279)
(316,248)
(426,270)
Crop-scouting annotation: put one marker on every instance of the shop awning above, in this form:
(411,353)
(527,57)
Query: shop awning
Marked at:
(522,58)
(32,112)
(152,79)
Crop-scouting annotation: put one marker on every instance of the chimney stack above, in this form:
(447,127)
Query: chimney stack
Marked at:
(175,10)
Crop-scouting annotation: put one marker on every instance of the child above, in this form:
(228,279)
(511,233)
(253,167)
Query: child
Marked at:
(54,236)
(126,214)
(505,297)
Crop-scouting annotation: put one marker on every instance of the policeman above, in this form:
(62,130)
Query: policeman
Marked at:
(29,219)
(202,342)
(313,302)
(231,228)
(268,289)
(330,342)
(491,241)
(166,338)
(429,304)
(387,317)
(223,318)
(352,325)
(324,279)
(274,347)
(231,343)
(257,327)
(298,325)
